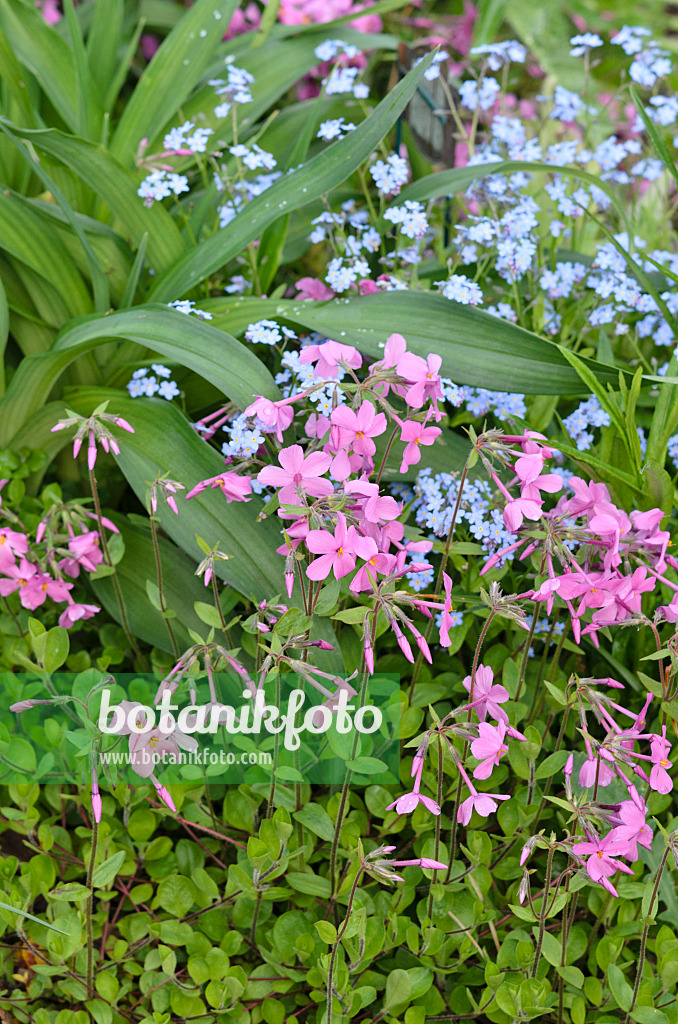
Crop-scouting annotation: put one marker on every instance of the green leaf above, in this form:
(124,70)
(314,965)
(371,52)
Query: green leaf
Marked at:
(317,820)
(176,895)
(398,989)
(476,348)
(367,765)
(572,975)
(649,1015)
(70,891)
(57,646)
(326,931)
(309,883)
(170,77)
(116,187)
(105,873)
(658,140)
(31,917)
(619,987)
(47,55)
(551,764)
(211,353)
(315,178)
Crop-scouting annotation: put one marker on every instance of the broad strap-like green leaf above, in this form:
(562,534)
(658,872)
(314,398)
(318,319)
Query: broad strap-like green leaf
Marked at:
(314,179)
(165,442)
(48,56)
(181,586)
(213,354)
(476,347)
(172,74)
(117,188)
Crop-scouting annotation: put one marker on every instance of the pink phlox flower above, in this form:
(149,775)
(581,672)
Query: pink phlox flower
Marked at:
(274,415)
(34,586)
(601,861)
(86,552)
(376,562)
(317,425)
(147,748)
(484,803)
(234,486)
(423,379)
(648,537)
(414,435)
(329,356)
(632,829)
(312,288)
(487,695)
(521,508)
(589,770)
(297,475)
(488,748)
(76,612)
(336,551)
(11,543)
(660,748)
(408,801)
(357,429)
(589,496)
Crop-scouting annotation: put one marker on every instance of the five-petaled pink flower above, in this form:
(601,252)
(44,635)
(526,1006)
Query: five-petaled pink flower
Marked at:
(328,358)
(33,586)
(356,429)
(415,434)
(336,551)
(488,748)
(487,695)
(659,777)
(601,863)
(297,475)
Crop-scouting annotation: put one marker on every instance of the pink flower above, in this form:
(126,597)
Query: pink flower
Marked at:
(483,803)
(601,863)
(86,553)
(274,415)
(375,562)
(33,586)
(329,356)
(487,695)
(312,288)
(357,428)
(234,486)
(422,376)
(297,475)
(446,620)
(589,771)
(659,777)
(632,829)
(408,801)
(488,748)
(75,612)
(415,434)
(336,551)
(11,543)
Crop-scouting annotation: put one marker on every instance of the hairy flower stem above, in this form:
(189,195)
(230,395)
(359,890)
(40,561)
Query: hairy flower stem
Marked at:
(439,581)
(89,910)
(547,784)
(526,652)
(161,595)
(114,576)
(217,605)
(565,931)
(335,947)
(276,753)
(537,705)
(343,800)
(543,912)
(436,855)
(643,939)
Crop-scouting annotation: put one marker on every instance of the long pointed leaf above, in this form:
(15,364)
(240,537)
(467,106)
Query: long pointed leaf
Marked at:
(213,354)
(174,71)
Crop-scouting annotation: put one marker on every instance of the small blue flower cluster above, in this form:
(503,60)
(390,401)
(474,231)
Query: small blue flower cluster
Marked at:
(435,500)
(588,414)
(268,332)
(145,385)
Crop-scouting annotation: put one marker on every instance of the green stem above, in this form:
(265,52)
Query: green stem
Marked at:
(436,854)
(161,595)
(335,947)
(543,912)
(526,652)
(217,604)
(89,909)
(114,576)
(643,940)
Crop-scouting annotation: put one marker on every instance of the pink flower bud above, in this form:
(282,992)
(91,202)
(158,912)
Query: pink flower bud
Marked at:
(120,422)
(26,705)
(91,451)
(166,798)
(77,445)
(96,806)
